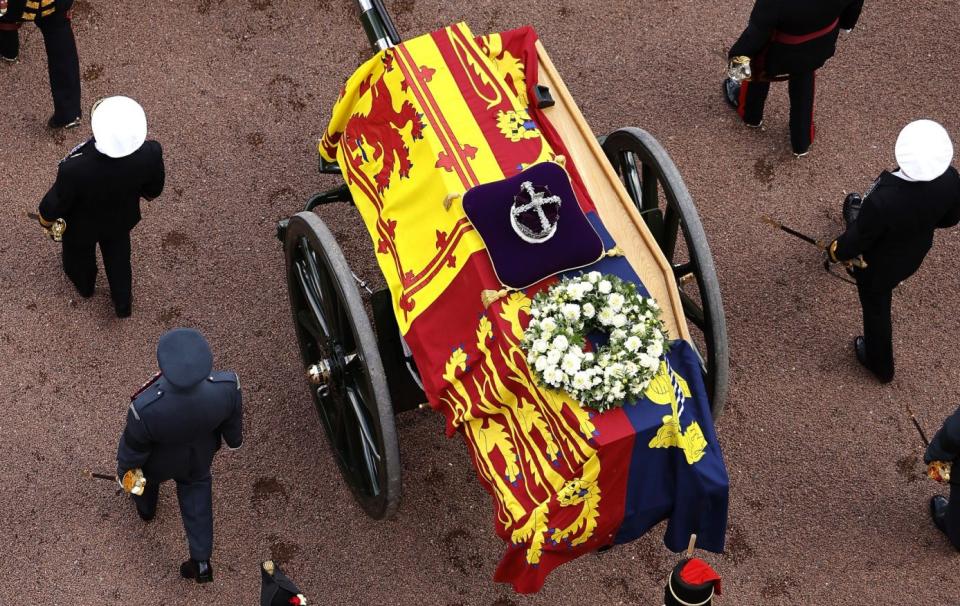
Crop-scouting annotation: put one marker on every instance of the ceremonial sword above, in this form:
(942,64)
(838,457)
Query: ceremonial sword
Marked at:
(938,471)
(916,424)
(858,262)
(86,473)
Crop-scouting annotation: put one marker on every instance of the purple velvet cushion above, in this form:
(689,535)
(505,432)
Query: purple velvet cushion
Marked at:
(532,225)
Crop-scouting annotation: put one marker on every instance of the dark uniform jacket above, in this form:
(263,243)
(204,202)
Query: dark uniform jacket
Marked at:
(174,434)
(894,230)
(945,445)
(99,196)
(772,19)
(22,10)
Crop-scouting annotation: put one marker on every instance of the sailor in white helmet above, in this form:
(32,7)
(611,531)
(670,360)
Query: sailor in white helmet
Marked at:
(97,194)
(892,227)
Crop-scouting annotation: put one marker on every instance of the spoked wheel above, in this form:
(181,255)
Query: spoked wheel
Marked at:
(655,185)
(342,364)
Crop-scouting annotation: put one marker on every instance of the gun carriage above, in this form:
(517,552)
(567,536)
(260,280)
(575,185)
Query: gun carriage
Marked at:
(361,371)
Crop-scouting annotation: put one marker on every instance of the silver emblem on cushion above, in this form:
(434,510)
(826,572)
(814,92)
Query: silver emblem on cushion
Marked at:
(534,214)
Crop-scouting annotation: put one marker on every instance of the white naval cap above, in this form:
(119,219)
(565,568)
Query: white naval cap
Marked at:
(119,126)
(923,150)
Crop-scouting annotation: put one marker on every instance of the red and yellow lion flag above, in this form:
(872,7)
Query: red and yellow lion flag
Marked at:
(415,128)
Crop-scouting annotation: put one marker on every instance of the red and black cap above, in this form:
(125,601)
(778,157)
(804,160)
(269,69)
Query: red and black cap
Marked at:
(692,583)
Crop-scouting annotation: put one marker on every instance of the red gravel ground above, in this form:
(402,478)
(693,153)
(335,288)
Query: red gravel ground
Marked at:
(828,501)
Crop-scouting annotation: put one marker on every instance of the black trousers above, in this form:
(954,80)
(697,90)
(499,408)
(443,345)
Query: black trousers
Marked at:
(63,65)
(877,328)
(196,512)
(953,516)
(80,265)
(801,87)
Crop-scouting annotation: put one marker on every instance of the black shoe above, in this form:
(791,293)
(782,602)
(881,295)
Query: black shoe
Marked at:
(731,92)
(84,292)
(860,348)
(54,124)
(938,511)
(200,570)
(124,311)
(146,517)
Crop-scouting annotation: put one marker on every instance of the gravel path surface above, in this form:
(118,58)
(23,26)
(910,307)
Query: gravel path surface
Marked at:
(828,501)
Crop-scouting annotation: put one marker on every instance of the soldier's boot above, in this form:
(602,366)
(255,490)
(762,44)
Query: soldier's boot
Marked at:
(54,124)
(938,511)
(9,42)
(201,571)
(860,348)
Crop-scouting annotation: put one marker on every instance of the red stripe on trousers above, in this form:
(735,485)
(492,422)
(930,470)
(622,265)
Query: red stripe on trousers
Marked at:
(742,100)
(812,104)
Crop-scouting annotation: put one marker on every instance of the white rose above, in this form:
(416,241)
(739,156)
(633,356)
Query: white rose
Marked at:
(633,343)
(574,292)
(615,301)
(588,310)
(655,349)
(548,325)
(540,346)
(560,343)
(606,316)
(618,334)
(593,277)
(605,287)
(581,380)
(619,320)
(541,364)
(571,311)
(571,364)
(553,357)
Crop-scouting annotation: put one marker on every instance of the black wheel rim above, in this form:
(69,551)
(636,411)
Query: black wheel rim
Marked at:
(658,192)
(328,330)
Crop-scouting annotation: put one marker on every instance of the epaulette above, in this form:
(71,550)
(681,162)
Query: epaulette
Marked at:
(225,376)
(145,399)
(144,387)
(75,152)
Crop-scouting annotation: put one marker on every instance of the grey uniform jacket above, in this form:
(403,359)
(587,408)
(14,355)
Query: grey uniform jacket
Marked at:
(173,433)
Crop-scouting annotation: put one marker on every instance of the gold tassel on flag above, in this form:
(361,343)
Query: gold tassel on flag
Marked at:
(448,200)
(489,297)
(616,251)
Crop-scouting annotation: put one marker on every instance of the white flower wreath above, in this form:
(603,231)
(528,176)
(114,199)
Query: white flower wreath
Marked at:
(563,315)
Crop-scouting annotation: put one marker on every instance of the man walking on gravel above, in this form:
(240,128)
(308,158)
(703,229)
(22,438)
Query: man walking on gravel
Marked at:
(786,40)
(945,449)
(97,194)
(175,425)
(892,228)
(53,18)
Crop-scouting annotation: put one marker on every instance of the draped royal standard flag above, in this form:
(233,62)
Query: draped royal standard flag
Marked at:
(414,126)
(437,115)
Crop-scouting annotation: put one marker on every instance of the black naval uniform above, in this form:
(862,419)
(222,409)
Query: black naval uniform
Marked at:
(52,17)
(786,39)
(894,232)
(945,446)
(174,428)
(99,198)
